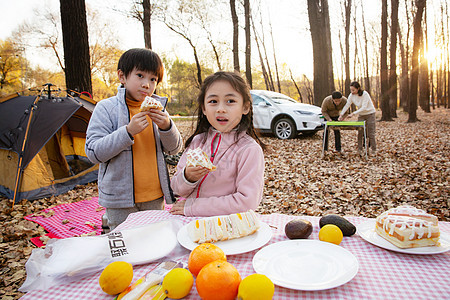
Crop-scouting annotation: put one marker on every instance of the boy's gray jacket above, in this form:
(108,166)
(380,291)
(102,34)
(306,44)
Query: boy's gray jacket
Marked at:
(109,145)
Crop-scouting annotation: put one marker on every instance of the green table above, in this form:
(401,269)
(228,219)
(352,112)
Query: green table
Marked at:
(343,125)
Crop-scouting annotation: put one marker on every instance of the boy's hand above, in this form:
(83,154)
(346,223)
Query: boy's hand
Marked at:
(161,118)
(194,174)
(138,123)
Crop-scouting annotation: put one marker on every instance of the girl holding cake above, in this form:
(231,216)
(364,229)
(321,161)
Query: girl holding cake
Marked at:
(226,134)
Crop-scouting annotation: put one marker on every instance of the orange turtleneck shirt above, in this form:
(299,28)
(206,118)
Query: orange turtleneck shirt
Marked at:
(147,186)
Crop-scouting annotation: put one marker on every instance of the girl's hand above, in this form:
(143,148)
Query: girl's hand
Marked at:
(350,115)
(161,118)
(194,174)
(178,208)
(340,118)
(137,123)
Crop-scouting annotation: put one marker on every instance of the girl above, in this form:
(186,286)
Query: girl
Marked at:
(225,132)
(366,112)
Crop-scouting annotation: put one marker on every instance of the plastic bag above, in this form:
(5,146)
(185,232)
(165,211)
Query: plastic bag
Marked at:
(67,260)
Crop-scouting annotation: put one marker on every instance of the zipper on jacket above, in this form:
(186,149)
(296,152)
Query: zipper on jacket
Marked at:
(213,155)
(132,158)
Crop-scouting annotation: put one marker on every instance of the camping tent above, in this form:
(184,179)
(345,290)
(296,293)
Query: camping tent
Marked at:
(42,145)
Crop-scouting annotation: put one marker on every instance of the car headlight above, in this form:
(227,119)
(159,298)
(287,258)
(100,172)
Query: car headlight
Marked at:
(302,112)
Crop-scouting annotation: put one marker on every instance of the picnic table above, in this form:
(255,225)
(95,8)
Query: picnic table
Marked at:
(343,125)
(382,274)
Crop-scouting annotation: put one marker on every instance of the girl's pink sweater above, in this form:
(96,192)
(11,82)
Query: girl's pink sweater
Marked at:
(235,186)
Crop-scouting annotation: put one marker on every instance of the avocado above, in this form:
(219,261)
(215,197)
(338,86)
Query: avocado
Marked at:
(298,229)
(346,227)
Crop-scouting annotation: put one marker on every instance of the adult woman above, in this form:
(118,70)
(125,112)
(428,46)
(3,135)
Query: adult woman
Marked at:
(365,112)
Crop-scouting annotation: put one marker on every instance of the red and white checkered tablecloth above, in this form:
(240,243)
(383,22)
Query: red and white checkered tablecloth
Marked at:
(382,274)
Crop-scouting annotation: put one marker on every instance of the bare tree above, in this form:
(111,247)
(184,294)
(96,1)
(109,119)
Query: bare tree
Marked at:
(319,21)
(348,11)
(404,53)
(248,48)
(76,45)
(412,105)
(296,86)
(393,59)
(385,110)
(424,87)
(235,20)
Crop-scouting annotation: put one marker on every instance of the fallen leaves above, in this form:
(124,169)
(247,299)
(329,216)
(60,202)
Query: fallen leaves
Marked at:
(411,166)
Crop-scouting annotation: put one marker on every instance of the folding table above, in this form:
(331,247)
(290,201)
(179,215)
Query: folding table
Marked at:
(342,125)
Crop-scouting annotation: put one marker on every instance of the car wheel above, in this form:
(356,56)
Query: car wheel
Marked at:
(284,129)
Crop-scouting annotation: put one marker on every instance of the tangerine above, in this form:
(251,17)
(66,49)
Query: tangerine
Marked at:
(218,280)
(202,255)
(331,233)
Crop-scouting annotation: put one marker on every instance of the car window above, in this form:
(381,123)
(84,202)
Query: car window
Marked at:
(283,100)
(257,99)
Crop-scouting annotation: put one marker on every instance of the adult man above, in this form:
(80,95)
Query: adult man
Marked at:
(331,107)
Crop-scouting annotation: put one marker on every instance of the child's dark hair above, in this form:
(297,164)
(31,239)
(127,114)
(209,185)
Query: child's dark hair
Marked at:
(143,60)
(356,85)
(239,84)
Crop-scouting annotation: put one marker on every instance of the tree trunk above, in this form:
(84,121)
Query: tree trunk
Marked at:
(385,110)
(348,10)
(412,107)
(366,54)
(319,21)
(424,85)
(296,87)
(393,59)
(146,22)
(235,21)
(248,48)
(76,45)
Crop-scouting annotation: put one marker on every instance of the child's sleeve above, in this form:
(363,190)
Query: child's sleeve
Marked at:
(180,185)
(249,189)
(171,139)
(102,141)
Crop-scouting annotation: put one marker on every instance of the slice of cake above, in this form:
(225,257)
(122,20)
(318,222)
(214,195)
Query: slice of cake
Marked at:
(408,227)
(150,103)
(197,157)
(222,228)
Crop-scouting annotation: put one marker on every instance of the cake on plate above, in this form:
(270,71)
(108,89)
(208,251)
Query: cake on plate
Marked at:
(222,228)
(408,227)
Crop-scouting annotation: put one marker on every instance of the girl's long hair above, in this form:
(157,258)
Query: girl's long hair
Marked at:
(246,123)
(356,85)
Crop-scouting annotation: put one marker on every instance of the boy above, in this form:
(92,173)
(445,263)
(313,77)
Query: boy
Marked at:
(129,144)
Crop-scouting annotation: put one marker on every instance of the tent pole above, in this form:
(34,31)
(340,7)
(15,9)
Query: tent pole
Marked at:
(18,181)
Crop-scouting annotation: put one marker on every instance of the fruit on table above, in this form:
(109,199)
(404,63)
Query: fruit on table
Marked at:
(298,229)
(116,277)
(256,287)
(202,255)
(346,227)
(218,280)
(331,233)
(178,283)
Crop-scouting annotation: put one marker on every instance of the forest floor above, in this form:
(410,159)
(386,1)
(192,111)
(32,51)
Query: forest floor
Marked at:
(412,166)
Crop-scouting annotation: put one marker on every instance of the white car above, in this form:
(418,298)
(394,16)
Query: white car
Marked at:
(283,116)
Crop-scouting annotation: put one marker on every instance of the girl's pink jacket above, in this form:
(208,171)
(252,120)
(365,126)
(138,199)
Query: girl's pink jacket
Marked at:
(235,186)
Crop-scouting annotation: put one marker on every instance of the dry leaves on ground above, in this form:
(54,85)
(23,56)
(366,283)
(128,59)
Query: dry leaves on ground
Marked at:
(411,166)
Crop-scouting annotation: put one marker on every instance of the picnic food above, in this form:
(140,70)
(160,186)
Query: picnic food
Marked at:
(346,227)
(408,227)
(298,229)
(331,233)
(198,158)
(150,103)
(116,277)
(218,280)
(222,228)
(202,255)
(178,283)
(256,287)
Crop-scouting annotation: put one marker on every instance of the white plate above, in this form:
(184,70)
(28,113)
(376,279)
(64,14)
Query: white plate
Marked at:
(308,265)
(366,230)
(235,246)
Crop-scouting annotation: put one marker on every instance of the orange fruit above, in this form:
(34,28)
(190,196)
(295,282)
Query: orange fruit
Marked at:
(116,277)
(218,280)
(202,255)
